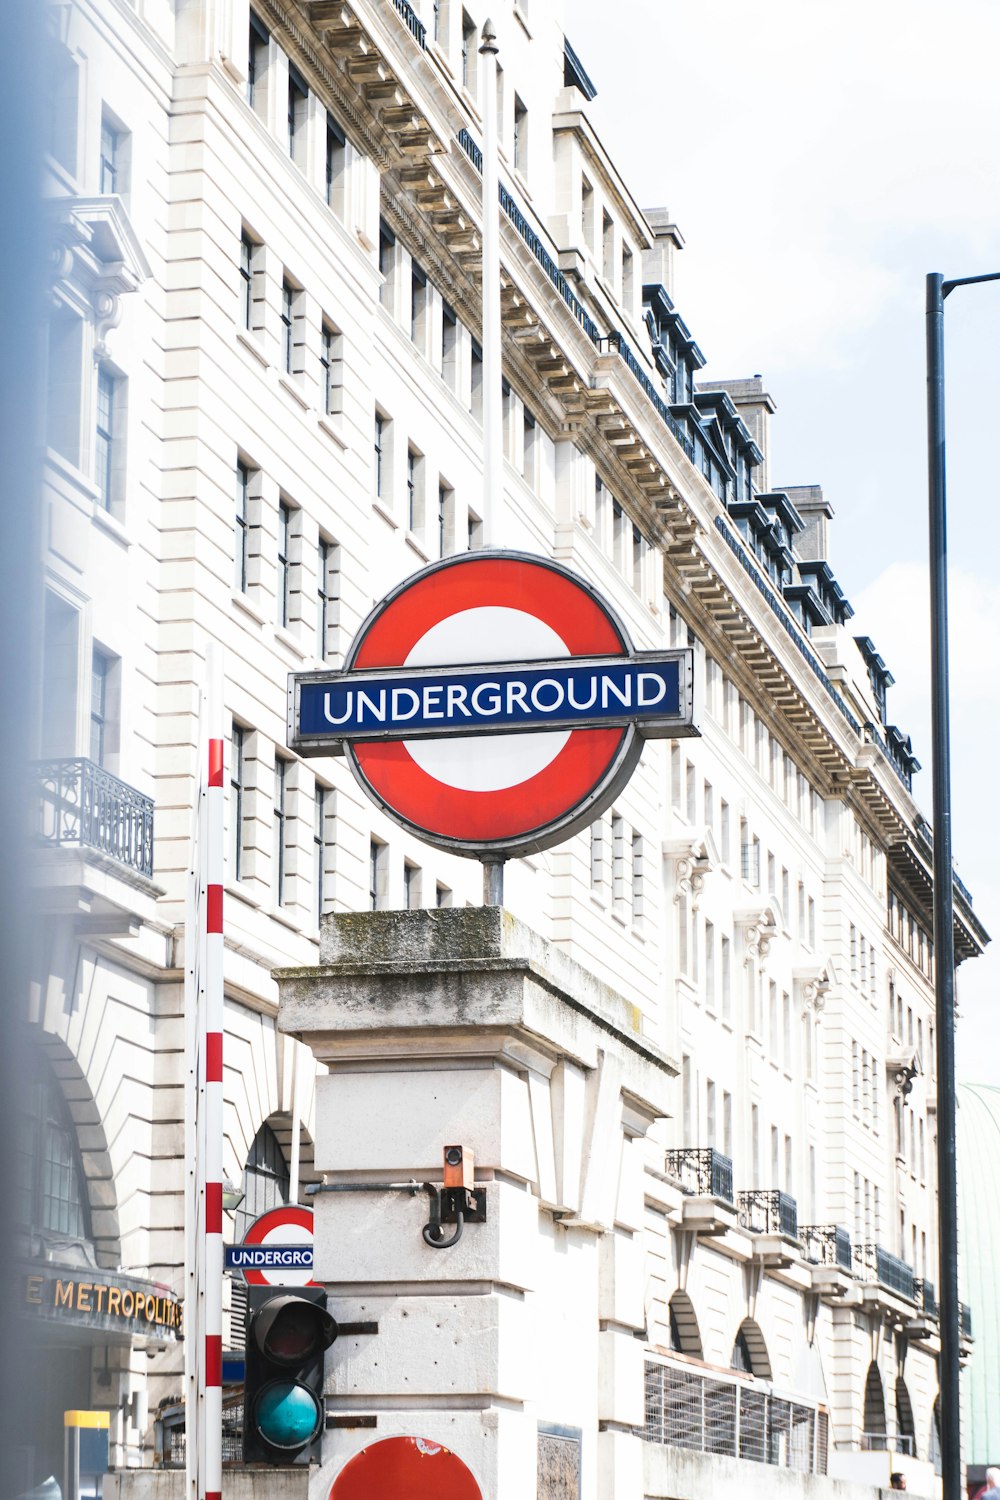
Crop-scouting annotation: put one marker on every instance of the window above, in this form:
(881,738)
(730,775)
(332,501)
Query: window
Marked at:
(289,311)
(724,843)
(322,824)
(110,157)
(242,520)
(439,26)
(414,490)
(686,1098)
(50,1190)
(598,855)
(474,527)
(298,115)
(617,859)
(690,792)
(251,292)
(386,264)
(236,790)
(608,246)
(378,861)
(638,879)
(282,578)
(328,597)
(470,43)
(419,305)
(443,896)
(331,361)
(383,460)
(709,965)
(476,387)
(265,1180)
(336,168)
(709,1112)
(257,66)
(587,213)
(101,712)
(786,1030)
(280,815)
(449,346)
(755,1143)
(628,279)
(104,445)
(520,136)
(726,966)
(530,466)
(411,887)
(445,518)
(618,532)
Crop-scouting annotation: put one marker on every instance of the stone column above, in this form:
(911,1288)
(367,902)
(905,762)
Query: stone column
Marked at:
(463,1027)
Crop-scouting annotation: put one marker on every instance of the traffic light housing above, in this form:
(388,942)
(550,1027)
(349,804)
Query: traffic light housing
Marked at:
(288,1333)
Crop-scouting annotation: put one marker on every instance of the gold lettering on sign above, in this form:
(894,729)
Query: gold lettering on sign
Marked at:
(114,1301)
(33,1290)
(63,1296)
(83,1291)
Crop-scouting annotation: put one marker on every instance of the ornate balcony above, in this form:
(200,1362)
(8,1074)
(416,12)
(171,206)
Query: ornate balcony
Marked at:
(874,1264)
(926,1295)
(827,1245)
(769,1211)
(85,807)
(702,1171)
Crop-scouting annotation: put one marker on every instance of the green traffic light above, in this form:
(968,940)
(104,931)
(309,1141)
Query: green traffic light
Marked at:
(287,1414)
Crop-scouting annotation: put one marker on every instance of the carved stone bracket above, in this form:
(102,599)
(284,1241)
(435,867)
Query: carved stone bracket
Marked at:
(759,926)
(692,857)
(95,259)
(902,1068)
(812,986)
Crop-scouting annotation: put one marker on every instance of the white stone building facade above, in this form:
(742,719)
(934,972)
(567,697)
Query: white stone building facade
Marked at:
(265,409)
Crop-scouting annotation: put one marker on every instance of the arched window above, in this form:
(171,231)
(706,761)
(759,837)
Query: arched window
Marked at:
(265,1180)
(905,1426)
(50,1194)
(934,1448)
(874,1420)
(684,1333)
(750,1352)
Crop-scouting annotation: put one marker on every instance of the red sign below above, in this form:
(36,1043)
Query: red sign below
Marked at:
(410,1467)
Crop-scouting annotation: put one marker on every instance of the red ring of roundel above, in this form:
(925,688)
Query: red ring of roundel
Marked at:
(576,617)
(261,1228)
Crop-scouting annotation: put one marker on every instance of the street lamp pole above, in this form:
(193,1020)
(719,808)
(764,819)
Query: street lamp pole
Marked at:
(944,920)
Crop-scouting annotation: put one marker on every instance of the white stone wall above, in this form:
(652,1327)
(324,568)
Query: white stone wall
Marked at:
(151,581)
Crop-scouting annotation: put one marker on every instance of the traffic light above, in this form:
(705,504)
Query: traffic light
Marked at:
(288,1332)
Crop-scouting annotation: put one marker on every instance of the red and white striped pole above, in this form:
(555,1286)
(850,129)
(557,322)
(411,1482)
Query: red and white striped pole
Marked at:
(214,854)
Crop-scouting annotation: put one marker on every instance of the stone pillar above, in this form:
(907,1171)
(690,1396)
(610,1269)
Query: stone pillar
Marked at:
(462,1026)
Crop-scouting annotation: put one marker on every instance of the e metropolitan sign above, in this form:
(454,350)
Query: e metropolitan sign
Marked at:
(493,704)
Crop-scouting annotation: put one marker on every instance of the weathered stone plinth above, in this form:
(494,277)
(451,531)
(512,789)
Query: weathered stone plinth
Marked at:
(463,1026)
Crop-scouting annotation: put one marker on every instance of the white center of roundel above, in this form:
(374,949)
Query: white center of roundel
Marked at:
(487,763)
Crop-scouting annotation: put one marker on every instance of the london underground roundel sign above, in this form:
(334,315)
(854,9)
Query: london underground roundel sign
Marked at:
(493,704)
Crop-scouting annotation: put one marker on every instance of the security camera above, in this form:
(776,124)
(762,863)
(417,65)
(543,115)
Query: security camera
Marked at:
(459,1167)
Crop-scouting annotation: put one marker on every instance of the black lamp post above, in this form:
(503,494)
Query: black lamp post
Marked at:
(944,928)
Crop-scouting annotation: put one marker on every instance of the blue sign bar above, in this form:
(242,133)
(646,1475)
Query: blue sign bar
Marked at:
(269,1257)
(563,694)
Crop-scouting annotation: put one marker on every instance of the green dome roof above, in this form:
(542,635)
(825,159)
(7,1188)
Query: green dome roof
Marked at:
(978,1140)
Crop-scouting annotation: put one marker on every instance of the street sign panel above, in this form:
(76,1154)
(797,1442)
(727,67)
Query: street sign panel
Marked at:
(493,704)
(277,1249)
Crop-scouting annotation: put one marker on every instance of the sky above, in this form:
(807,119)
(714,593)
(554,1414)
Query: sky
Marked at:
(819,159)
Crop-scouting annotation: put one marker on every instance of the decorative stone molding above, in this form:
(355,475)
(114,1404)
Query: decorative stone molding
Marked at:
(95,259)
(812,986)
(759,926)
(692,858)
(902,1068)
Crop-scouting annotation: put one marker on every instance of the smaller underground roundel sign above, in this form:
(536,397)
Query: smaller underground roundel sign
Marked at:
(493,704)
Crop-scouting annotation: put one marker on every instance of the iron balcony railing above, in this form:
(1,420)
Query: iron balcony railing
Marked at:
(414,25)
(702,1170)
(827,1245)
(734,1418)
(925,1294)
(875,1264)
(769,1211)
(84,805)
